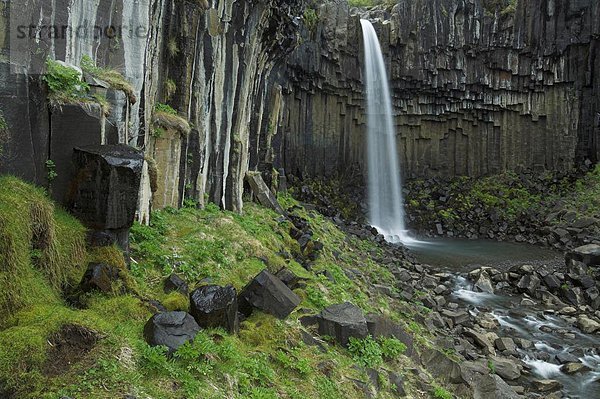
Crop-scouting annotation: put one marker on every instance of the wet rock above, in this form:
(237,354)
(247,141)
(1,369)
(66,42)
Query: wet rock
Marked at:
(481,340)
(587,325)
(523,343)
(269,294)
(506,368)
(343,321)
(546,386)
(457,317)
(552,282)
(99,277)
(484,283)
(176,283)
(574,368)
(213,306)
(171,329)
(588,254)
(505,344)
(493,387)
(566,357)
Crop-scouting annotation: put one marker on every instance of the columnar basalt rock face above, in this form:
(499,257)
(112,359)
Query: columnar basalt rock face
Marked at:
(219,58)
(474,93)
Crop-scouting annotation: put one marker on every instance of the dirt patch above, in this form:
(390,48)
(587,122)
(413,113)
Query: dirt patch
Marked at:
(67,347)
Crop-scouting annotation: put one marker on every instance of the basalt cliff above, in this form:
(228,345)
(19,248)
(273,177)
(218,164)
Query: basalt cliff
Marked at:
(271,85)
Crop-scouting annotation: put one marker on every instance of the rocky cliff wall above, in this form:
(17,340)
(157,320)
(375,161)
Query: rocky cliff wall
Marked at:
(474,92)
(211,61)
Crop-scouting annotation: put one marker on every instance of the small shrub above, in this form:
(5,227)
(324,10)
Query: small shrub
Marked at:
(441,393)
(51,170)
(114,78)
(64,83)
(366,352)
(391,348)
(311,18)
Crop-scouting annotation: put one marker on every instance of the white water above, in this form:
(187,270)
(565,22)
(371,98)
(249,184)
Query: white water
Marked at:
(386,207)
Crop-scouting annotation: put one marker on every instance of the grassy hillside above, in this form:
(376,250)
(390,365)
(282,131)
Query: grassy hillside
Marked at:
(93,347)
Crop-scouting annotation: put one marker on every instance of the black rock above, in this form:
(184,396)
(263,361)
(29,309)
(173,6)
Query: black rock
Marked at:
(104,193)
(381,326)
(99,277)
(176,283)
(288,278)
(100,239)
(171,329)
(269,294)
(343,321)
(397,383)
(552,282)
(214,306)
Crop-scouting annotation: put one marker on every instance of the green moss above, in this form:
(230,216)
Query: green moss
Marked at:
(40,247)
(176,301)
(114,78)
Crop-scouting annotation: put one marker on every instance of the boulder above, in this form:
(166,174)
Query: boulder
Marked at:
(484,283)
(170,329)
(441,366)
(99,277)
(262,192)
(506,368)
(104,191)
(176,283)
(289,278)
(343,321)
(381,326)
(574,368)
(587,325)
(492,386)
(397,383)
(481,340)
(546,386)
(505,344)
(214,306)
(269,294)
(588,254)
(457,317)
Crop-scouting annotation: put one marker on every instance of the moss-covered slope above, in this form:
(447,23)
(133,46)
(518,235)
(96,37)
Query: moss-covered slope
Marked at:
(102,339)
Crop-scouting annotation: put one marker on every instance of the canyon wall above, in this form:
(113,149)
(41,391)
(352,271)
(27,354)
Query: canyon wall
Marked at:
(272,84)
(210,61)
(475,91)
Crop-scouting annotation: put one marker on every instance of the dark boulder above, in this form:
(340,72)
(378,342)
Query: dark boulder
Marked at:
(343,321)
(289,278)
(104,191)
(176,283)
(99,277)
(381,326)
(214,306)
(170,329)
(588,254)
(269,294)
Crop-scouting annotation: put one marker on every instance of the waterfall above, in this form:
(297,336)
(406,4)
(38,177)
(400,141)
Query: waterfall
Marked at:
(386,207)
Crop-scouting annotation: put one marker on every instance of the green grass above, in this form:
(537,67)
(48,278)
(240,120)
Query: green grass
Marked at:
(114,78)
(267,359)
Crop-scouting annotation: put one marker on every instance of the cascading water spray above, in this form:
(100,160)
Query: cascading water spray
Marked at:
(386,207)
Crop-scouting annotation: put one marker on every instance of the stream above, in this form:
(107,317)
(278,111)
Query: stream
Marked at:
(552,335)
